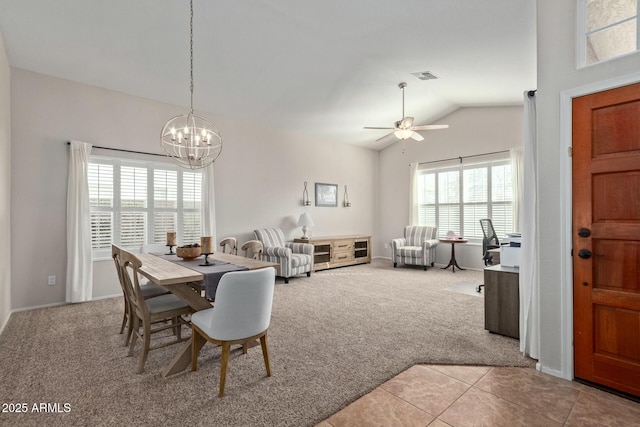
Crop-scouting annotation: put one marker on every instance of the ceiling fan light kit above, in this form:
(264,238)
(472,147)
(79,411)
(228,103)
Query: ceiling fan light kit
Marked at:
(403,129)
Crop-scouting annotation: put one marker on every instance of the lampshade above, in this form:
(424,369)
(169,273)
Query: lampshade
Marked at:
(305,220)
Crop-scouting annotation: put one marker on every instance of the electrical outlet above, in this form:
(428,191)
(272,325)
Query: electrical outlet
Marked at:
(52,280)
(386,246)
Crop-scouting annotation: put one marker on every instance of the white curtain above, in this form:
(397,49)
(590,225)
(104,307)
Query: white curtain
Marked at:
(413,194)
(208,203)
(529,300)
(517,177)
(79,260)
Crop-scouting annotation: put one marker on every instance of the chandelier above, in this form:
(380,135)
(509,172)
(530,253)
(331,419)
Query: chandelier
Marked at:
(191,140)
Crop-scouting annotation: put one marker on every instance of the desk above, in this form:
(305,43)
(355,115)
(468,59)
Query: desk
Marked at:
(452,262)
(502,300)
(176,279)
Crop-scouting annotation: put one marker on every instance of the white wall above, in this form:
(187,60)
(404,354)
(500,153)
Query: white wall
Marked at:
(259,175)
(471,131)
(557,73)
(5,185)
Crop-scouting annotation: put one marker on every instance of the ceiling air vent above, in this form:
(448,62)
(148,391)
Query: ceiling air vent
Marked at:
(425,75)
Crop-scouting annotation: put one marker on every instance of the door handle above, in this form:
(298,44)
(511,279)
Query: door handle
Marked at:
(584,232)
(586,254)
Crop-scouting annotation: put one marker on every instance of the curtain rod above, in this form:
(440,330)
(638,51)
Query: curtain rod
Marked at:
(463,157)
(124,151)
(532,93)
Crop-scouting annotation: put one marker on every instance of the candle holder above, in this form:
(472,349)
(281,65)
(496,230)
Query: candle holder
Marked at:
(206,261)
(347,203)
(305,196)
(171,241)
(207,249)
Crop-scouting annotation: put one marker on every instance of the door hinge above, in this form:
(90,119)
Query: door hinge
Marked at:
(570,151)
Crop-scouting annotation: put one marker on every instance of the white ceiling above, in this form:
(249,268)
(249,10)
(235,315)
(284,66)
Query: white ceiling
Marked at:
(323,67)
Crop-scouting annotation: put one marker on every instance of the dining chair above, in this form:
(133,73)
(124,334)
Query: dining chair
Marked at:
(149,290)
(229,243)
(241,315)
(254,247)
(147,312)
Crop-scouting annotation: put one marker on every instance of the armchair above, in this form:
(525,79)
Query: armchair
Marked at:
(293,258)
(417,247)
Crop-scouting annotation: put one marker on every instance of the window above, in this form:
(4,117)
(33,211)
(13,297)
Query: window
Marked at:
(608,28)
(134,203)
(456,198)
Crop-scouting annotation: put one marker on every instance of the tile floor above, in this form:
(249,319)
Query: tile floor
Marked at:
(440,396)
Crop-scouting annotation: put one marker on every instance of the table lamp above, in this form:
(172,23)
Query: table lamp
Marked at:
(305,221)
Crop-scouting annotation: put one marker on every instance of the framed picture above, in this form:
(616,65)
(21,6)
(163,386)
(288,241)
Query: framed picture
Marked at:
(326,194)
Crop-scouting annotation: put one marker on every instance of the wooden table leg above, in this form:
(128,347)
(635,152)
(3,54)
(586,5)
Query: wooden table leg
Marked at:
(452,262)
(182,360)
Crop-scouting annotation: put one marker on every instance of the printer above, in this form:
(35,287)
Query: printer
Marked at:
(510,250)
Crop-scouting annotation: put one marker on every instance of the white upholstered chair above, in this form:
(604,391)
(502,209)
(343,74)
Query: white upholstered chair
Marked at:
(417,247)
(293,258)
(241,314)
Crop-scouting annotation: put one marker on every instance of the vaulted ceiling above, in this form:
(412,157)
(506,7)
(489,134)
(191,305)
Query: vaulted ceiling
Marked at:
(326,68)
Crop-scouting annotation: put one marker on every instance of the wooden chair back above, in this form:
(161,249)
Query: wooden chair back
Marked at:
(230,243)
(115,254)
(253,246)
(130,264)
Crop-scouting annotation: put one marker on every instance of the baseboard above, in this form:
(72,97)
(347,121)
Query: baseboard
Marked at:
(35,307)
(55,304)
(107,296)
(5,322)
(547,370)
(381,257)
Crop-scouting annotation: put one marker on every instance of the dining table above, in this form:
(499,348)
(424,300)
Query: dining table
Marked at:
(186,284)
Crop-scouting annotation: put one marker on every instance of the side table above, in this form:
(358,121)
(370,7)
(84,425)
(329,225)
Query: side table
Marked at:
(452,262)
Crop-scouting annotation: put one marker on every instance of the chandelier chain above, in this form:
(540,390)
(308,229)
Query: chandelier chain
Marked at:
(191,53)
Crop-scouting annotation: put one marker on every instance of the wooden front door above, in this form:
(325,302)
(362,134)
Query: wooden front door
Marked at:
(606,238)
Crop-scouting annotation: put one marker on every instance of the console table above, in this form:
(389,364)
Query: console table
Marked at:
(502,300)
(339,251)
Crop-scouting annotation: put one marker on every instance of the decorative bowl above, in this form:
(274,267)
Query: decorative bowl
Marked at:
(188,253)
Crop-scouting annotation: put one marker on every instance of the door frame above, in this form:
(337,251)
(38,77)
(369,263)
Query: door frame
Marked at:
(566,197)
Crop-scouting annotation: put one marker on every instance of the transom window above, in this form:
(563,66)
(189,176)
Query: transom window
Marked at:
(456,198)
(134,203)
(608,29)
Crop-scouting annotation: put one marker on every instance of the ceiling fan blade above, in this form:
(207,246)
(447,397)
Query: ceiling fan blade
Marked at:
(406,123)
(384,137)
(429,127)
(372,127)
(417,136)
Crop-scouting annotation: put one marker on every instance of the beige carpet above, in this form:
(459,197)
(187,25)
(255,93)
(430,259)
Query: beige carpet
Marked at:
(333,338)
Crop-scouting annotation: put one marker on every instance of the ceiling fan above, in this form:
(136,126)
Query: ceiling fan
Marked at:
(404,129)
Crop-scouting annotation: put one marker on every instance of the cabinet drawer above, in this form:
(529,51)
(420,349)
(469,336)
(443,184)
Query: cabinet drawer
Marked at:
(343,245)
(342,256)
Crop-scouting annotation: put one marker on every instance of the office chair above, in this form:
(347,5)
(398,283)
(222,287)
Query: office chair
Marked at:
(490,241)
